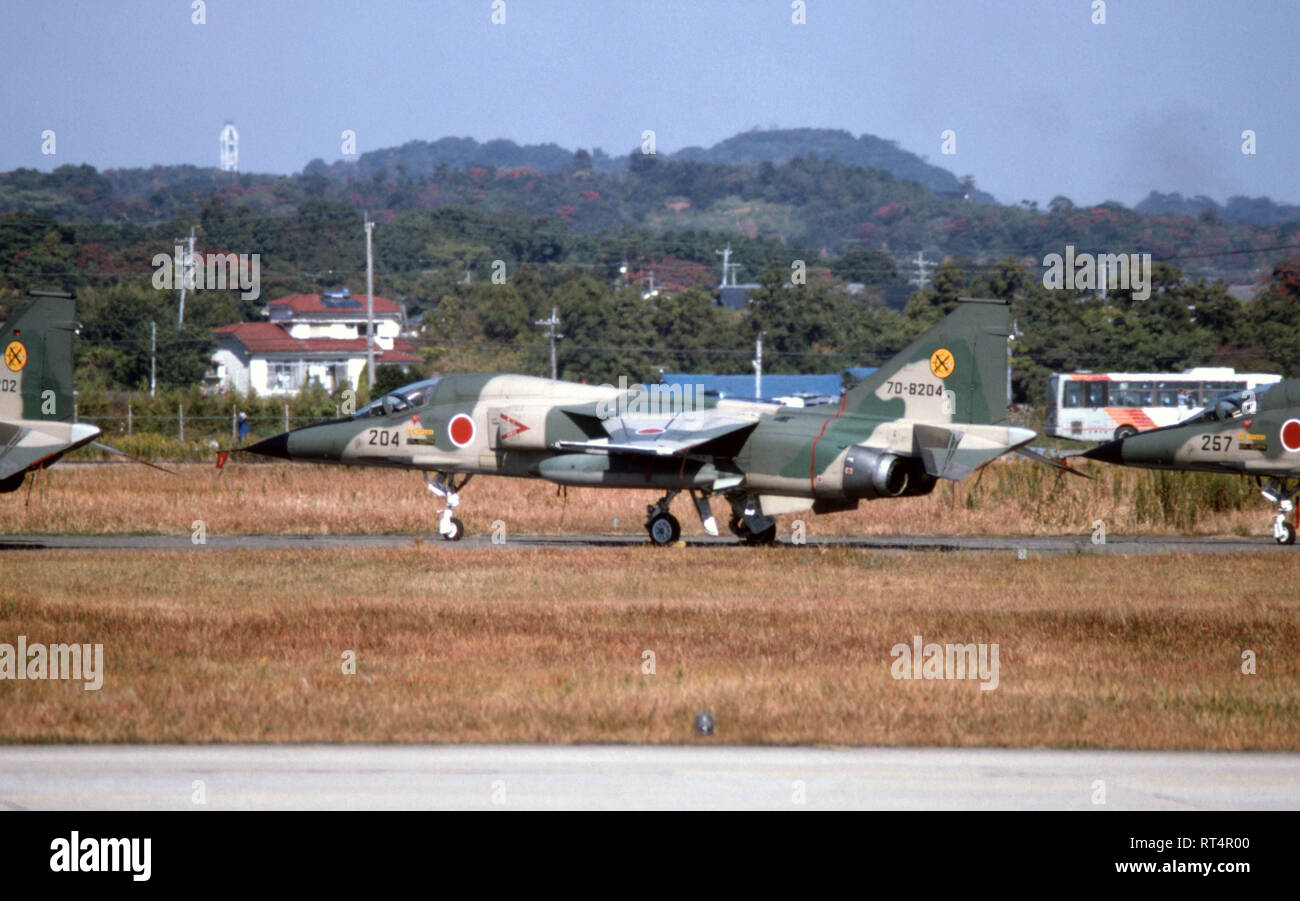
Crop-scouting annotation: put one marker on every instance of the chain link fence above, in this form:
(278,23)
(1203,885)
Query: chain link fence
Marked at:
(181,435)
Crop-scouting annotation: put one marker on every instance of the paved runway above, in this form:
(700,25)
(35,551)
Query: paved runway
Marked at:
(1030,546)
(316,777)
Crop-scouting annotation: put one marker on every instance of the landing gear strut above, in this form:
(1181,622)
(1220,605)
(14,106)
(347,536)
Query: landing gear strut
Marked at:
(1282,493)
(748,522)
(443,485)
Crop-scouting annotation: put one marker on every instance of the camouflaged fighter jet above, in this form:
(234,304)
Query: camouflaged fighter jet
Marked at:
(1254,433)
(36,426)
(935,411)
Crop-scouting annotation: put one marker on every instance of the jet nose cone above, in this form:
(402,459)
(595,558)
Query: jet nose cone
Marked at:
(1110,452)
(277,446)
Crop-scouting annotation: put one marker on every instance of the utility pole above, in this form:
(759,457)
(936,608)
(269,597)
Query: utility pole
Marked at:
(153,357)
(187,273)
(370,307)
(758,367)
(550,326)
(922,270)
(725,253)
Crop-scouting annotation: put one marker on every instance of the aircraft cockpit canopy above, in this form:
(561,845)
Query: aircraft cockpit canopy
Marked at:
(1232,406)
(416,394)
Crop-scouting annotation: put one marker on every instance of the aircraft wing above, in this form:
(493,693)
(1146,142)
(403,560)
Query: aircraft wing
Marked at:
(703,432)
(954,453)
(25,443)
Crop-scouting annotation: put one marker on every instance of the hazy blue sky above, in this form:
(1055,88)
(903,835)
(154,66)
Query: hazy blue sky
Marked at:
(1042,100)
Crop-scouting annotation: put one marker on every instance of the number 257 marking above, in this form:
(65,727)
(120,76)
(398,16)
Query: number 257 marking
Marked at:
(1216,442)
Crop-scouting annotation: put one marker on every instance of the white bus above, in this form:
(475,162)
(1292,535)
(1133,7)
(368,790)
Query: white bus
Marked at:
(1099,406)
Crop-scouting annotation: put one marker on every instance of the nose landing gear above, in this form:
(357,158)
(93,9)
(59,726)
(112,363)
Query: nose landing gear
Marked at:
(1282,493)
(443,485)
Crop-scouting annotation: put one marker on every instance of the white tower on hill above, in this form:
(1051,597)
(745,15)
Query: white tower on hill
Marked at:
(229,148)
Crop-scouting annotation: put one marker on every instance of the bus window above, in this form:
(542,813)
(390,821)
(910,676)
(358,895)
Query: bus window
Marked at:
(1131,394)
(1073,394)
(1167,394)
(1212,391)
(1096,395)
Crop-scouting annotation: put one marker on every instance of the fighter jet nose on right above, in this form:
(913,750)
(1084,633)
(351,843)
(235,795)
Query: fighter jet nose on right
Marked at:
(1110,452)
(277,446)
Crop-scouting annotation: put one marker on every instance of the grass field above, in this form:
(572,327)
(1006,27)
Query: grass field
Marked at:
(1008,499)
(780,644)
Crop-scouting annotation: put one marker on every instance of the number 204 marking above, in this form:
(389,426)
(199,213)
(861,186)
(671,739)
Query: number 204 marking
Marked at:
(1216,442)
(384,438)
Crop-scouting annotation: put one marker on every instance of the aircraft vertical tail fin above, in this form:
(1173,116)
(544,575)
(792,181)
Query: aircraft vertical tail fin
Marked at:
(955,372)
(36,367)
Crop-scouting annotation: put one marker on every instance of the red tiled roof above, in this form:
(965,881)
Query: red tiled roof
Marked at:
(311,303)
(269,338)
(260,337)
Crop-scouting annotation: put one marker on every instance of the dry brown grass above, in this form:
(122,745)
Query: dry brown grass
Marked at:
(543,645)
(1010,499)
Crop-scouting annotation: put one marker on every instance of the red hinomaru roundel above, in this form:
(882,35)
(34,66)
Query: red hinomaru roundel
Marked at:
(460,430)
(1290,435)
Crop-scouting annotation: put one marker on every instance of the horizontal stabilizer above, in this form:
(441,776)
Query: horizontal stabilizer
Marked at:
(955,453)
(30,443)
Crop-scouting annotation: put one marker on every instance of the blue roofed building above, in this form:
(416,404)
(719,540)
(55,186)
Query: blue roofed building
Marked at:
(809,389)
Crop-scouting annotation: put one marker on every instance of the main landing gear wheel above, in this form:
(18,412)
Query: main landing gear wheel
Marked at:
(767,536)
(664,529)
(1288,534)
(737,527)
(456,530)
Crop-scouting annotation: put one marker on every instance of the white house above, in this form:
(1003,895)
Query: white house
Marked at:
(308,337)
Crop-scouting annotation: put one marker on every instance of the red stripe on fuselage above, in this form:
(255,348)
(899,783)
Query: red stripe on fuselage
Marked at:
(812,464)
